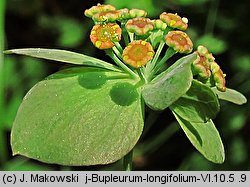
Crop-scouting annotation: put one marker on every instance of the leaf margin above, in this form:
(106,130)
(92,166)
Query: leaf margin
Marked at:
(66,57)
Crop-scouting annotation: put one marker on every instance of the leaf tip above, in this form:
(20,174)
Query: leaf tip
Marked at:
(220,160)
(14,153)
(244,100)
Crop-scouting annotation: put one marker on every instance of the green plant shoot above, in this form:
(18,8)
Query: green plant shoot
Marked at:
(93,113)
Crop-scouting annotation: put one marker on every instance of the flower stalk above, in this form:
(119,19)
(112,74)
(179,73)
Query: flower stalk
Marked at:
(121,64)
(128,161)
(169,53)
(131,36)
(156,57)
(117,52)
(151,65)
(119,47)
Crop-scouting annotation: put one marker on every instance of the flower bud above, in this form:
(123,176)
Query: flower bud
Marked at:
(205,66)
(139,26)
(218,76)
(123,14)
(135,13)
(97,9)
(159,24)
(201,66)
(109,16)
(203,51)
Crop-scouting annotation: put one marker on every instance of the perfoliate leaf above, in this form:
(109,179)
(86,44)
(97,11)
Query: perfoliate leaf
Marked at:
(64,56)
(205,138)
(199,104)
(231,95)
(170,85)
(79,116)
(24,164)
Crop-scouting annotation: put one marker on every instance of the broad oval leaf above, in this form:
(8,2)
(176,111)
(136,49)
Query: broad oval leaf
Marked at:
(231,95)
(64,56)
(170,85)
(199,104)
(79,116)
(205,138)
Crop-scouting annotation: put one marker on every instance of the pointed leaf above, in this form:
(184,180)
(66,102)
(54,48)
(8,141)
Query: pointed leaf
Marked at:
(79,116)
(170,85)
(231,95)
(205,138)
(199,104)
(63,56)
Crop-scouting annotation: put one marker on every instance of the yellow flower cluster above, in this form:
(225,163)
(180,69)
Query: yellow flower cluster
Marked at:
(111,25)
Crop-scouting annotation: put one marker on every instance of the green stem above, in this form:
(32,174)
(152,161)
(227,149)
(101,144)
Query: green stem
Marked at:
(211,19)
(157,54)
(117,52)
(131,36)
(128,161)
(167,30)
(2,36)
(169,53)
(119,47)
(150,66)
(126,39)
(141,74)
(121,64)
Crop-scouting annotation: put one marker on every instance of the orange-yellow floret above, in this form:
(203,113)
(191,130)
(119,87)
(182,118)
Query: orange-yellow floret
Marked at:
(104,36)
(179,41)
(139,26)
(138,53)
(174,21)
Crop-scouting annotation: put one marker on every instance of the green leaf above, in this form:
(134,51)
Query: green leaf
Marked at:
(170,85)
(231,95)
(199,104)
(205,138)
(64,56)
(24,164)
(79,116)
